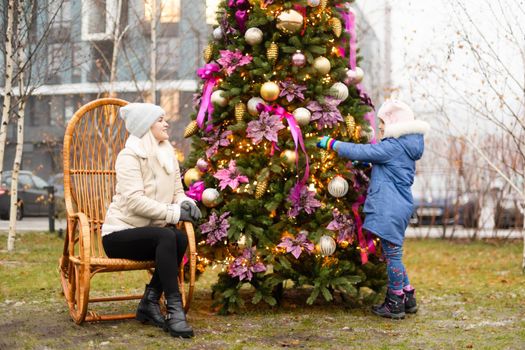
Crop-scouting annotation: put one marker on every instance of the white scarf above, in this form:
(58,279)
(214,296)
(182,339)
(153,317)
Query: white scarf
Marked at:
(148,146)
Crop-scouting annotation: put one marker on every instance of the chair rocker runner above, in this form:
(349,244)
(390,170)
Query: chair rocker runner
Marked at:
(94,137)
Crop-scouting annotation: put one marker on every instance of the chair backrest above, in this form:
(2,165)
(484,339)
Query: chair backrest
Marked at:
(94,137)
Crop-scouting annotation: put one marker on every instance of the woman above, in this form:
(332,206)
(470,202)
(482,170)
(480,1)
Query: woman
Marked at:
(149,196)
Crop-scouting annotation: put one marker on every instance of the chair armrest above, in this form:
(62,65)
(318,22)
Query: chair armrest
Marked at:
(84,237)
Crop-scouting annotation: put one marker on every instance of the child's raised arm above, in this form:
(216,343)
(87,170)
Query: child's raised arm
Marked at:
(372,153)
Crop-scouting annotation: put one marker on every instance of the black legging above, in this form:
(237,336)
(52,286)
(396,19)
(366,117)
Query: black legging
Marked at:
(165,245)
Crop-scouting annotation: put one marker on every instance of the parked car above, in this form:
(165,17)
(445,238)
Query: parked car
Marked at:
(33,198)
(57,181)
(437,202)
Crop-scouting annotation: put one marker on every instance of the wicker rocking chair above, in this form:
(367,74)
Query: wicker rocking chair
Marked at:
(93,139)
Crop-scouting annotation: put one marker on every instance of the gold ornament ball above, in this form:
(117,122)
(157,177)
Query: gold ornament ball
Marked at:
(192,175)
(218,98)
(288,156)
(327,245)
(322,65)
(289,21)
(210,197)
(270,91)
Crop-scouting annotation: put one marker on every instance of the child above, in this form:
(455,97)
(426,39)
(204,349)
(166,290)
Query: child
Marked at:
(389,202)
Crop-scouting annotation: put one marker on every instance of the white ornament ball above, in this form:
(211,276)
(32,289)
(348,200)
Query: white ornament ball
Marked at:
(253,36)
(354,77)
(217,34)
(327,245)
(252,105)
(339,91)
(218,98)
(368,134)
(338,186)
(302,116)
(313,3)
(322,65)
(210,197)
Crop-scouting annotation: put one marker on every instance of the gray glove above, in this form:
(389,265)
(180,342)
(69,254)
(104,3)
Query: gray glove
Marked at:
(185,212)
(194,211)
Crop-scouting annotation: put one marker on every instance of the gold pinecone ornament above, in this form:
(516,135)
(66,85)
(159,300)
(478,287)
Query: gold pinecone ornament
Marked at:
(357,133)
(191,129)
(323,4)
(350,124)
(240,109)
(336,25)
(273,52)
(208,53)
(261,188)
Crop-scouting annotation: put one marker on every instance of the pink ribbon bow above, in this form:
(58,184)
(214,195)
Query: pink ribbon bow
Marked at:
(208,73)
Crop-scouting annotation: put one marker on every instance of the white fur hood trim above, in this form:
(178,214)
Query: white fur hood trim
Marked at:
(405,128)
(135,144)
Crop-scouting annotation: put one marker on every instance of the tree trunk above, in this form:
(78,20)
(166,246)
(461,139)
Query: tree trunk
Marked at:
(22,37)
(153,64)
(8,80)
(116,42)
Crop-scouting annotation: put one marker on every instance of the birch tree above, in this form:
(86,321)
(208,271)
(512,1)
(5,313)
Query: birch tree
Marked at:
(21,59)
(7,95)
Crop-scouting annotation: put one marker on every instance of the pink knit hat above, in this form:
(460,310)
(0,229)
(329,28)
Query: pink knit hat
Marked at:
(394,111)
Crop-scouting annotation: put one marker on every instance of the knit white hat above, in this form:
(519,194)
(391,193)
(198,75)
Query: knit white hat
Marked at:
(394,111)
(139,117)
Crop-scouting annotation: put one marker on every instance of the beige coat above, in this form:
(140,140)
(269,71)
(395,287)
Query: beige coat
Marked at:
(143,191)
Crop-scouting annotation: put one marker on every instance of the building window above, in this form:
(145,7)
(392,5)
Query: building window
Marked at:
(39,111)
(77,61)
(61,11)
(169,10)
(55,60)
(98,19)
(212,7)
(169,101)
(168,58)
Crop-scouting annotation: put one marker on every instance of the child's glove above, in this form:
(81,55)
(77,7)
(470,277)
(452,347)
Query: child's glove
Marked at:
(327,143)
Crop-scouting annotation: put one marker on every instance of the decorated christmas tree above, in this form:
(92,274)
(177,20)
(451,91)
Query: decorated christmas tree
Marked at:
(279,75)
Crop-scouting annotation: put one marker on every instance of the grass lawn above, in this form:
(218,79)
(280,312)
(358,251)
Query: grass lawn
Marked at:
(471,295)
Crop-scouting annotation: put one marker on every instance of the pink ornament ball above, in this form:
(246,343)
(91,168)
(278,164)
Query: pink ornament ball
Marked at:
(202,165)
(298,59)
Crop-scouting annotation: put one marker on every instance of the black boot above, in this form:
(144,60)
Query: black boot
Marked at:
(148,310)
(410,302)
(393,307)
(176,319)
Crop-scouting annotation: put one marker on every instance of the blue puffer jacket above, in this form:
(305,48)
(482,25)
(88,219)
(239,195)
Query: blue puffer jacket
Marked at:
(389,202)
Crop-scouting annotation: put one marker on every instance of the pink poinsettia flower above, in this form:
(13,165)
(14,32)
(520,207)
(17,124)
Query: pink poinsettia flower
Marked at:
(297,245)
(231,60)
(230,176)
(343,224)
(216,228)
(302,199)
(266,127)
(245,265)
